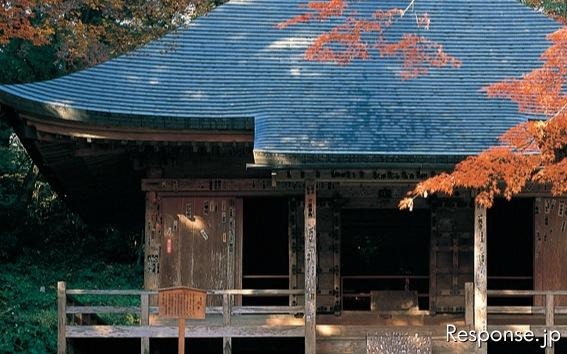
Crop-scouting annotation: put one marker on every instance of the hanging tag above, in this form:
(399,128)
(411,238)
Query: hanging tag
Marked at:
(188,211)
(169,246)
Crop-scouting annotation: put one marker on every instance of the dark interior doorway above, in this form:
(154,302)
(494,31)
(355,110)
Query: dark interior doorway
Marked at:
(384,249)
(265,248)
(510,248)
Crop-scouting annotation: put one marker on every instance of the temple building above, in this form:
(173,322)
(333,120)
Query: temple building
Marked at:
(273,183)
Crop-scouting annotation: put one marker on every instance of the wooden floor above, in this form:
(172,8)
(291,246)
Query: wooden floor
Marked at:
(344,334)
(329,325)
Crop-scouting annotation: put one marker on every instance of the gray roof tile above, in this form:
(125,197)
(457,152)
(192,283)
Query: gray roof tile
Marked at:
(235,64)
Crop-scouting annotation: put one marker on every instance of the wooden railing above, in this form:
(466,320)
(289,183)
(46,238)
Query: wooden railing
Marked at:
(223,329)
(548,313)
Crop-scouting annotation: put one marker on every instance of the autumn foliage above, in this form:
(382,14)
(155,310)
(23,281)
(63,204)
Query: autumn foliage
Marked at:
(348,41)
(532,152)
(17,21)
(87,32)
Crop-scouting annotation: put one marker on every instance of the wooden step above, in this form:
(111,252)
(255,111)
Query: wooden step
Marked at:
(358,345)
(341,345)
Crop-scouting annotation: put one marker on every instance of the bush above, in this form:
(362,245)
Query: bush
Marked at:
(29,302)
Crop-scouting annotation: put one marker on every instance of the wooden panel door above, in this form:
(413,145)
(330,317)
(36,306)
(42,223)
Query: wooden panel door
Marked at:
(451,255)
(201,243)
(550,246)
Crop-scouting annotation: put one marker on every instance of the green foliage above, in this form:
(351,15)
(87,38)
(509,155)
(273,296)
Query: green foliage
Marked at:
(21,61)
(28,296)
(556,8)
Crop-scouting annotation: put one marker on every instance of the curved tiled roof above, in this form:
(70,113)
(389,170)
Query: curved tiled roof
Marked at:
(233,68)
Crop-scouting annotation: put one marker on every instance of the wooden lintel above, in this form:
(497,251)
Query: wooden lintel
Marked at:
(395,176)
(382,175)
(82,130)
(310,265)
(263,184)
(219,185)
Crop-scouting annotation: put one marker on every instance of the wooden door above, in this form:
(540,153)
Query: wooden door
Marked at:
(451,255)
(202,243)
(550,246)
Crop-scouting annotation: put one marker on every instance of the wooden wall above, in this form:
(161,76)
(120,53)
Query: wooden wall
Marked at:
(550,246)
(194,242)
(179,251)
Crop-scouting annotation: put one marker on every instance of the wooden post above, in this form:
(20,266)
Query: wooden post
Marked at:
(469,304)
(177,237)
(181,336)
(145,321)
(310,266)
(226,314)
(549,320)
(61,317)
(433,264)
(152,241)
(337,257)
(480,280)
(290,252)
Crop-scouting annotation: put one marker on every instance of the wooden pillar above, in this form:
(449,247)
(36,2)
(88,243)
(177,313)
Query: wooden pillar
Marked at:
(181,336)
(145,321)
(226,315)
(337,258)
(61,318)
(549,321)
(152,240)
(292,249)
(480,280)
(469,304)
(310,266)
(433,264)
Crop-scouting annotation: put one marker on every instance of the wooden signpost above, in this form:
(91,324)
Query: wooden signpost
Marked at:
(182,303)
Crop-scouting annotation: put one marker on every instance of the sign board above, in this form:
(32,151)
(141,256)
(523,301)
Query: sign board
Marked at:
(182,303)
